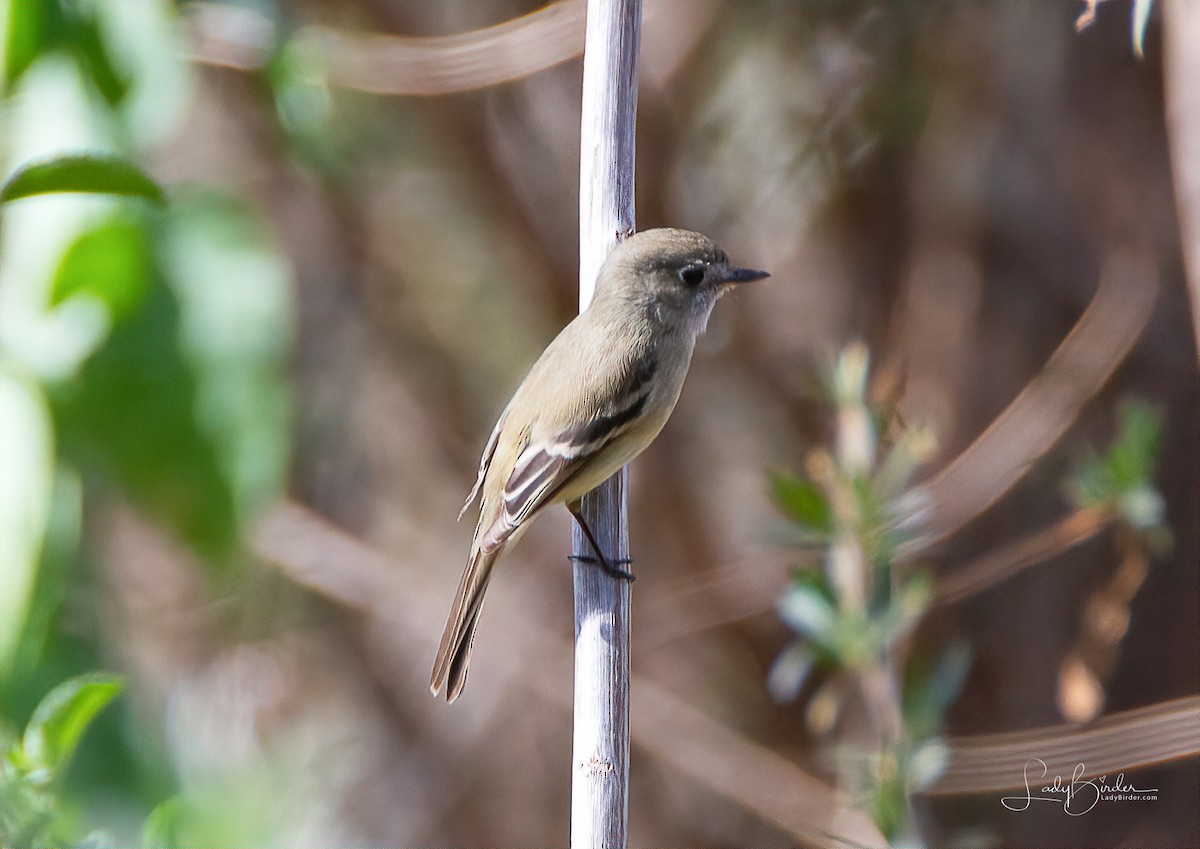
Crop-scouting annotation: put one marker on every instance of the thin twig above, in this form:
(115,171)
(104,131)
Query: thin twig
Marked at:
(996,566)
(400,65)
(396,65)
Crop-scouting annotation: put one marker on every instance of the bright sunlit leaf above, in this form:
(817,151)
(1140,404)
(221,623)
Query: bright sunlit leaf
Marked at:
(110,262)
(807,611)
(95,173)
(235,333)
(23,27)
(27,460)
(61,718)
(185,405)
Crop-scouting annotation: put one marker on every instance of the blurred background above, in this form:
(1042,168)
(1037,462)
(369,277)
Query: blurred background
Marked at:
(237,423)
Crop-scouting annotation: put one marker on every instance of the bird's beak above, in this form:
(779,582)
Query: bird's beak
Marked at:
(740,275)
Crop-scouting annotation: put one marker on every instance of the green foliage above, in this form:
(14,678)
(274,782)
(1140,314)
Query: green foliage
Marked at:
(802,502)
(243,810)
(808,607)
(61,718)
(854,502)
(34,765)
(32,27)
(852,616)
(26,446)
(888,803)
(846,637)
(110,262)
(931,686)
(1123,477)
(143,350)
(198,436)
(95,173)
(235,335)
(303,103)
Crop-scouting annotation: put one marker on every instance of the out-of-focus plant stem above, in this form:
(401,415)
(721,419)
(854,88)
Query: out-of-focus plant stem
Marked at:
(1181,66)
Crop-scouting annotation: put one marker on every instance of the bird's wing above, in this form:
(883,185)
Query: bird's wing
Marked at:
(485,461)
(545,465)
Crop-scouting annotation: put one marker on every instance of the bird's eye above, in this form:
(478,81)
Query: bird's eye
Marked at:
(693,275)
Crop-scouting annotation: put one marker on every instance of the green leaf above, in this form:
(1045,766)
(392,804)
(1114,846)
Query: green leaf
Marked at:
(185,405)
(1123,474)
(167,824)
(111,262)
(27,460)
(131,413)
(61,718)
(299,82)
(1133,456)
(95,61)
(930,688)
(1141,16)
(789,672)
(888,803)
(144,48)
(808,611)
(38,657)
(97,173)
(803,502)
(28,30)
(236,334)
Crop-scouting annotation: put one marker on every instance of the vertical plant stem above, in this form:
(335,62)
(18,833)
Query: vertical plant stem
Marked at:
(1181,61)
(600,756)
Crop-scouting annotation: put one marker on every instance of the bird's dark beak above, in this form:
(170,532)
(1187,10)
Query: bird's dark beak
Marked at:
(741,275)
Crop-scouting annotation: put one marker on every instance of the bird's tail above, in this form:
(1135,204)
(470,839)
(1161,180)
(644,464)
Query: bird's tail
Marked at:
(454,653)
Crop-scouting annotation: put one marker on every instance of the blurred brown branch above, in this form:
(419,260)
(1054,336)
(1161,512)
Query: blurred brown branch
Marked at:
(1121,741)
(1181,66)
(390,64)
(433,65)
(334,564)
(1044,410)
(994,567)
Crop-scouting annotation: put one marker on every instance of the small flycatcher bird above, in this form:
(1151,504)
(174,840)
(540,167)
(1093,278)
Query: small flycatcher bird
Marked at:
(597,396)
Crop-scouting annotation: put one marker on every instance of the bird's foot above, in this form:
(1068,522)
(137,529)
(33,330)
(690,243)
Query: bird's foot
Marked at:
(612,567)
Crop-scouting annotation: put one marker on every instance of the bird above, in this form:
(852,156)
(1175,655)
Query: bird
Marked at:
(596,397)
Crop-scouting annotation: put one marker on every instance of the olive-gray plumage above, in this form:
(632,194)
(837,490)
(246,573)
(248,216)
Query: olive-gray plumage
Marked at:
(596,397)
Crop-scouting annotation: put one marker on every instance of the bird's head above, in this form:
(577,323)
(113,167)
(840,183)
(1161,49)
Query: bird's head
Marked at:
(676,273)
